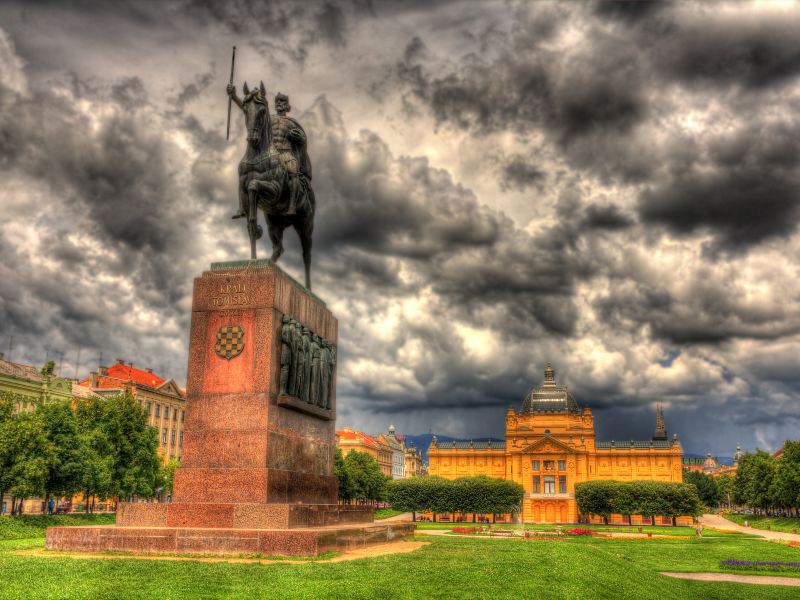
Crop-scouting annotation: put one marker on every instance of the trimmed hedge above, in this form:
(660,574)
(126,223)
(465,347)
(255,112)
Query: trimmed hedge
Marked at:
(646,498)
(477,495)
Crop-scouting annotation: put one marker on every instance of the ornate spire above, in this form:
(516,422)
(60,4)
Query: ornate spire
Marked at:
(549,376)
(661,428)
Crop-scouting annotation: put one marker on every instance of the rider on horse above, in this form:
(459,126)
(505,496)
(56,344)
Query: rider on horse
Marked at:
(289,142)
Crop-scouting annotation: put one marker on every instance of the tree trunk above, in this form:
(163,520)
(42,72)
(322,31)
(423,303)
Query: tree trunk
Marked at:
(2,494)
(86,499)
(434,517)
(414,516)
(473,517)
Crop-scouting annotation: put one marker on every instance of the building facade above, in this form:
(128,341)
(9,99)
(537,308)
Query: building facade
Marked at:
(398,449)
(550,446)
(28,386)
(349,440)
(415,467)
(163,400)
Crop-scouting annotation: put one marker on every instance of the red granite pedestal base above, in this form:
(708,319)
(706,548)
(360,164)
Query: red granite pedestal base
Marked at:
(257,463)
(195,540)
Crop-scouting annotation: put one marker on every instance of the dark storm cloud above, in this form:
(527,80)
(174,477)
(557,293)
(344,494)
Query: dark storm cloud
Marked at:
(470,255)
(754,51)
(744,187)
(605,217)
(520,173)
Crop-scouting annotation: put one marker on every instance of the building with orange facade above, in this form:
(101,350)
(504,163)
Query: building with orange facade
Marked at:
(349,440)
(550,446)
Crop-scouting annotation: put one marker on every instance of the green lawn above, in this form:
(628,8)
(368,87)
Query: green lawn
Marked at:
(446,568)
(759,522)
(385,513)
(31,526)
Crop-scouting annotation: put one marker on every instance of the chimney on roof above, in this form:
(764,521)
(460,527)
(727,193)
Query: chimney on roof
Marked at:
(94,378)
(103,371)
(149,370)
(130,364)
(120,361)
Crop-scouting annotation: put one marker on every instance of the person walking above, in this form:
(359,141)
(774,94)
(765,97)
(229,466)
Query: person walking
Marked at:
(698,528)
(50,506)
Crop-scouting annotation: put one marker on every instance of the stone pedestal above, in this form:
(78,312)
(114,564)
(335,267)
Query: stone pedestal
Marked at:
(257,470)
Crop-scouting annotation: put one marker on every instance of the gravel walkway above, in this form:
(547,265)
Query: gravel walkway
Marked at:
(755,579)
(718,522)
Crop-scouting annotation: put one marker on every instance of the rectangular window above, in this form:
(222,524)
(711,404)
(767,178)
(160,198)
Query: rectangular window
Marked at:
(164,436)
(158,410)
(149,408)
(549,484)
(166,412)
(537,488)
(175,415)
(562,484)
(562,465)
(172,438)
(536,465)
(180,440)
(183,416)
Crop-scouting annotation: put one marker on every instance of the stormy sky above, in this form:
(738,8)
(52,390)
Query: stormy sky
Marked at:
(613,187)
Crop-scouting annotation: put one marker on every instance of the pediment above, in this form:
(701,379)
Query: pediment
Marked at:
(548,444)
(170,387)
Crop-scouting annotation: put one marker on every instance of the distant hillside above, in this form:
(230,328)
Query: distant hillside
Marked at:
(424,440)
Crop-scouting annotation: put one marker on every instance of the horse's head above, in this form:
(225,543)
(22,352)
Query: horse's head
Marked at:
(256,116)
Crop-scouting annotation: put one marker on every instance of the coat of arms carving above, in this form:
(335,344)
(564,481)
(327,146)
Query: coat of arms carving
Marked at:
(230,342)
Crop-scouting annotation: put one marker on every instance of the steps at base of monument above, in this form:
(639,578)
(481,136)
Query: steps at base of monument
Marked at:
(240,515)
(180,540)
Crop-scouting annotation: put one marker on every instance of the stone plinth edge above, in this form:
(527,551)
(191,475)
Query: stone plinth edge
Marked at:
(177,540)
(304,407)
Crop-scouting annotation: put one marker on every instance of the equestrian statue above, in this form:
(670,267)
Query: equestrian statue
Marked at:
(275,173)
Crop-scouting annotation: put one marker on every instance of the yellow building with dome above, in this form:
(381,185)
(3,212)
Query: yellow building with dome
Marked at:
(550,446)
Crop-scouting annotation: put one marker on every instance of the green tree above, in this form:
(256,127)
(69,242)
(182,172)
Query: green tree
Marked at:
(706,486)
(61,429)
(596,497)
(343,478)
(368,481)
(725,487)
(97,460)
(25,456)
(785,486)
(167,476)
(134,447)
(753,480)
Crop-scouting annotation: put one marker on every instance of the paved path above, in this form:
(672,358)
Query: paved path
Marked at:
(718,522)
(401,517)
(756,579)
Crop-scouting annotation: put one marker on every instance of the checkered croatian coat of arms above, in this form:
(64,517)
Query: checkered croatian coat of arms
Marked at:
(230,342)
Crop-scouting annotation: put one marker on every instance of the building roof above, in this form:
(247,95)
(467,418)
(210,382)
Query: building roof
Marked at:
(550,397)
(117,376)
(20,371)
(623,444)
(348,436)
(84,392)
(469,445)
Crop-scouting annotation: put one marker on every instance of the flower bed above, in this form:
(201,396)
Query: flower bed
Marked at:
(579,531)
(465,530)
(760,565)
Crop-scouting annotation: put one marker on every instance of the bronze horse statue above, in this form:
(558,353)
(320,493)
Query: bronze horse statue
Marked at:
(264,183)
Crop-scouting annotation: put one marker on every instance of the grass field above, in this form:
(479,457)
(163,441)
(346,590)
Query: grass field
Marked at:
(385,513)
(759,522)
(447,568)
